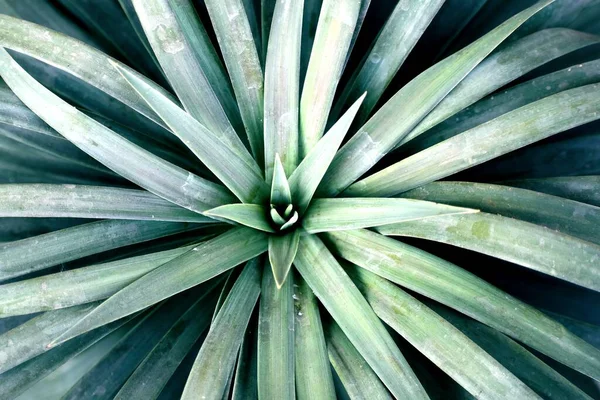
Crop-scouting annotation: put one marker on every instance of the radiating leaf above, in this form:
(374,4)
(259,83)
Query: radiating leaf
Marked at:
(282,251)
(233,27)
(251,215)
(403,111)
(233,165)
(191,64)
(73,57)
(585,189)
(358,378)
(313,372)
(198,265)
(395,40)
(280,188)
(306,178)
(529,245)
(567,216)
(337,21)
(350,310)
(282,86)
(347,213)
(447,347)
(502,67)
(245,386)
(444,282)
(77,201)
(506,133)
(150,377)
(276,339)
(38,252)
(128,160)
(215,362)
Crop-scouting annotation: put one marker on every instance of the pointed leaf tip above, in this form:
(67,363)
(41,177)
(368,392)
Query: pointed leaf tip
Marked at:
(280,188)
(282,252)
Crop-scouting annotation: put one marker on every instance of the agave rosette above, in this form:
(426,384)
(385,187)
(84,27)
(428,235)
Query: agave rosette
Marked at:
(253,199)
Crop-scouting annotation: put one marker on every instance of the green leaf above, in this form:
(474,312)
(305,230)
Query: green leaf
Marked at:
(393,44)
(251,215)
(78,201)
(347,213)
(313,372)
(529,245)
(567,216)
(31,339)
(234,166)
(38,252)
(282,251)
(78,286)
(282,72)
(447,347)
(276,339)
(245,386)
(506,133)
(210,375)
(280,188)
(125,158)
(448,284)
(232,26)
(337,21)
(502,67)
(415,100)
(350,310)
(306,178)
(216,256)
(150,377)
(191,64)
(356,375)
(585,189)
(524,365)
(74,57)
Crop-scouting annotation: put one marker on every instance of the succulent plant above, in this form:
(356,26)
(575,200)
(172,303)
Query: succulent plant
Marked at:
(244,198)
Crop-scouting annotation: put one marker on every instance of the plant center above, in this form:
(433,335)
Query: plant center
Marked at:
(283,217)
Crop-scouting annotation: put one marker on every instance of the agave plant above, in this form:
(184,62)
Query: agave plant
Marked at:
(265,195)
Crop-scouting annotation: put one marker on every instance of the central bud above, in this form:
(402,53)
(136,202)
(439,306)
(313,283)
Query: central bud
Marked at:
(283,216)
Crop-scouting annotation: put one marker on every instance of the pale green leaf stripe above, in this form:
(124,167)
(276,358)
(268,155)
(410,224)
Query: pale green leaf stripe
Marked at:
(234,167)
(190,63)
(282,251)
(585,189)
(280,188)
(394,43)
(351,311)
(444,282)
(447,347)
(251,215)
(200,264)
(233,29)
(74,57)
(38,252)
(524,365)
(567,216)
(150,377)
(337,21)
(313,372)
(506,133)
(306,178)
(502,67)
(403,111)
(276,339)
(359,380)
(347,213)
(14,113)
(78,286)
(30,339)
(222,344)
(523,243)
(282,72)
(80,201)
(128,160)
(20,378)
(502,102)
